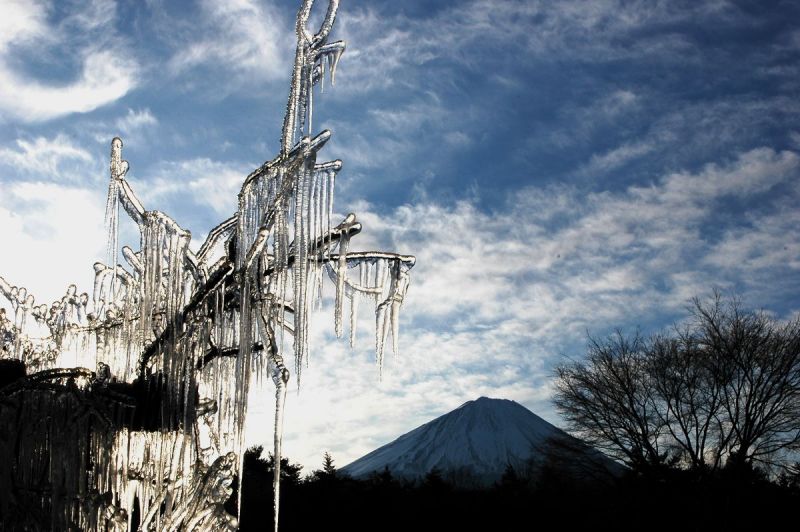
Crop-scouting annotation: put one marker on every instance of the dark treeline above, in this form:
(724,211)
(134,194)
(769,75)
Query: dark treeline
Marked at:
(549,498)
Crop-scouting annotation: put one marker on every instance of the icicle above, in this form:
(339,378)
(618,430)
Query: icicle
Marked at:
(112,222)
(381,328)
(322,75)
(321,234)
(341,273)
(329,198)
(300,271)
(280,377)
(386,314)
(333,62)
(324,220)
(353,318)
(118,168)
(310,91)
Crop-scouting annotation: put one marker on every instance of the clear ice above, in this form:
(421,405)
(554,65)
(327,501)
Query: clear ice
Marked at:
(133,401)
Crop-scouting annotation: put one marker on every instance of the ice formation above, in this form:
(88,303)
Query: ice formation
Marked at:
(126,408)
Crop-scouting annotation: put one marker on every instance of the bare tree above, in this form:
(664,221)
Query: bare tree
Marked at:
(722,391)
(756,360)
(682,374)
(609,402)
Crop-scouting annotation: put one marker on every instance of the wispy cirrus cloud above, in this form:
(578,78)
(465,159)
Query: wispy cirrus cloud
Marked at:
(135,120)
(105,73)
(193,183)
(612,159)
(385,46)
(246,38)
(55,157)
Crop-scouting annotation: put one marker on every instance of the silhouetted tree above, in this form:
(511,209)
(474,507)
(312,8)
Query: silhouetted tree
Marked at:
(257,478)
(724,390)
(383,478)
(464,477)
(509,475)
(327,464)
(756,360)
(682,373)
(610,402)
(328,471)
(290,473)
(790,477)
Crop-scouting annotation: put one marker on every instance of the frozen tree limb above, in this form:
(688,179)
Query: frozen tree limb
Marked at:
(176,341)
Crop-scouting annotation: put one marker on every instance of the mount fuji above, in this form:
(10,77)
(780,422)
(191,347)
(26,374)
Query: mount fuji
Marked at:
(478,441)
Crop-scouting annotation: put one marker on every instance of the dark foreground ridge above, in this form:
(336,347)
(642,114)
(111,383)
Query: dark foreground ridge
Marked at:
(549,499)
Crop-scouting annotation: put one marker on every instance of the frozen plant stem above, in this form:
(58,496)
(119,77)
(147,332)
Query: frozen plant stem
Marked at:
(134,400)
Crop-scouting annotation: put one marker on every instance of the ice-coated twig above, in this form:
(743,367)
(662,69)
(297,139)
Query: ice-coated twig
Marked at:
(214,235)
(133,259)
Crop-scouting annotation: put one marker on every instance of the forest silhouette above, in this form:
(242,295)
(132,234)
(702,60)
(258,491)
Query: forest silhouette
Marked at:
(326,498)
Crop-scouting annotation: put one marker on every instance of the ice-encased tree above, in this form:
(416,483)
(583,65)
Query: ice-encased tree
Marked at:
(153,436)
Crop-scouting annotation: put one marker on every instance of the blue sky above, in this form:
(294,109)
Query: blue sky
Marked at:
(558,168)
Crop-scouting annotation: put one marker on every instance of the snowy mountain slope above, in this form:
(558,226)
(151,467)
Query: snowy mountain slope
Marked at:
(481,437)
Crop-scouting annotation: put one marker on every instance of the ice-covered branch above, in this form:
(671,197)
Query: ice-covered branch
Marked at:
(176,341)
(214,235)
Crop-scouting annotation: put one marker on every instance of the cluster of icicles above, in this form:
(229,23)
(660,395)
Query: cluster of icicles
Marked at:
(195,328)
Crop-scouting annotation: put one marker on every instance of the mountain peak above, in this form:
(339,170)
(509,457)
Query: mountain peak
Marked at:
(482,436)
(491,402)
(484,399)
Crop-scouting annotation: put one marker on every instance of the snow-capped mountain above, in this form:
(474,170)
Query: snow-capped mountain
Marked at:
(479,438)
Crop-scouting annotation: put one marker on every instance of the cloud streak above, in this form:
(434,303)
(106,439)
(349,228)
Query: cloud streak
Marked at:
(105,73)
(44,156)
(246,38)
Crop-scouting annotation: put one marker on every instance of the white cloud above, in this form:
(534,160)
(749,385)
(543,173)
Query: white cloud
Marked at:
(753,172)
(21,21)
(355,147)
(384,46)
(765,243)
(105,75)
(618,101)
(50,235)
(243,36)
(200,181)
(44,156)
(617,157)
(135,120)
(457,139)
(410,117)
(794,138)
(93,15)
